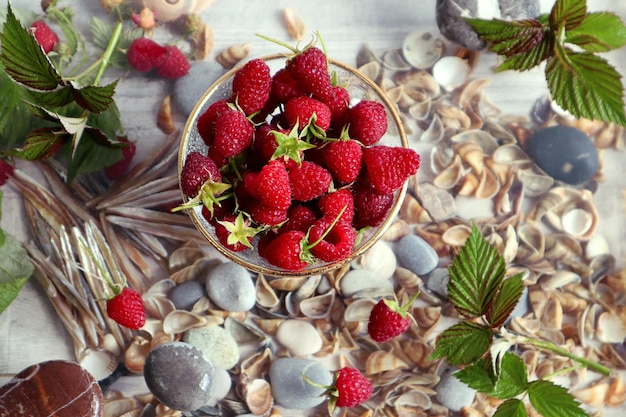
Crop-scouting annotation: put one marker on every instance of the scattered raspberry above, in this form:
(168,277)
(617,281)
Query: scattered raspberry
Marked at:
(252,85)
(309,181)
(370,207)
(367,121)
(343,159)
(332,242)
(197,170)
(6,171)
(126,309)
(352,388)
(389,167)
(174,64)
(206,121)
(310,69)
(333,203)
(145,54)
(120,167)
(303,110)
(233,133)
(45,37)
(388,320)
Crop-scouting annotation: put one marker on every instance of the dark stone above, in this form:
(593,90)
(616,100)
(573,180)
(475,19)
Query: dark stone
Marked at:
(185,295)
(179,375)
(565,153)
(56,388)
(451,24)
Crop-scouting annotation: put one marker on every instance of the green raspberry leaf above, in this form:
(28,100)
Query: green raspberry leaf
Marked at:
(92,153)
(15,269)
(599,32)
(95,99)
(475,276)
(552,400)
(15,119)
(526,60)
(568,14)
(478,376)
(23,58)
(463,343)
(512,407)
(512,380)
(41,143)
(64,18)
(505,301)
(586,86)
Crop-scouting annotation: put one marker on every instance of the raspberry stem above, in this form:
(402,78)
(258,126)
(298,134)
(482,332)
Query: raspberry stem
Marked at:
(106,57)
(327,231)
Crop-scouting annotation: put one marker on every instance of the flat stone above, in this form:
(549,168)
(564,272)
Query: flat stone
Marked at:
(186,294)
(53,388)
(223,383)
(299,337)
(230,286)
(219,347)
(452,393)
(565,153)
(437,281)
(416,255)
(363,282)
(291,390)
(179,375)
(190,88)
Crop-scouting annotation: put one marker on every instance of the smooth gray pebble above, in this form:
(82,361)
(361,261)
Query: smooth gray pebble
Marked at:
(186,294)
(416,255)
(231,287)
(291,390)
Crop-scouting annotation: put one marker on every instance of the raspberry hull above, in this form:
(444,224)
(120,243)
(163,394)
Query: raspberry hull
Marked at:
(302,184)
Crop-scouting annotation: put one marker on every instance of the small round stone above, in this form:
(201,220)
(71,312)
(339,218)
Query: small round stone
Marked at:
(190,88)
(185,295)
(416,255)
(565,153)
(299,337)
(437,281)
(452,393)
(219,347)
(230,286)
(179,375)
(361,281)
(291,390)
(223,383)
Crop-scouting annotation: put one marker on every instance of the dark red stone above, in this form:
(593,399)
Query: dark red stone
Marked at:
(55,388)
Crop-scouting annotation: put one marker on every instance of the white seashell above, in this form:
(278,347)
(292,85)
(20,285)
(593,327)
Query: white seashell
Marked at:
(265,294)
(394,60)
(410,400)
(597,245)
(169,10)
(180,320)
(611,326)
(295,24)
(421,49)
(451,175)
(456,235)
(381,361)
(434,132)
(319,306)
(379,259)
(559,279)
(451,72)
(485,140)
(299,337)
(576,221)
(98,362)
(258,396)
(359,310)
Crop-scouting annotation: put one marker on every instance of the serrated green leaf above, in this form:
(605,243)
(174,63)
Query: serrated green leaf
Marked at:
(89,156)
(552,400)
(15,269)
(64,18)
(41,143)
(527,60)
(505,301)
(95,99)
(512,379)
(478,376)
(107,121)
(512,407)
(463,343)
(476,274)
(586,85)
(23,58)
(15,119)
(568,14)
(599,32)
(56,98)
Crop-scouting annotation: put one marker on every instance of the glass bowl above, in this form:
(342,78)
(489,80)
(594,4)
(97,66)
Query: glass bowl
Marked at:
(360,87)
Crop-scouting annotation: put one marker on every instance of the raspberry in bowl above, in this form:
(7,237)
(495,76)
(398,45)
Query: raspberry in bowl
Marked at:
(294,165)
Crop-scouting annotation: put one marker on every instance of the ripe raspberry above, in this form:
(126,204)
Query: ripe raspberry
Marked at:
(389,167)
(206,121)
(117,169)
(334,244)
(233,133)
(174,64)
(303,110)
(197,170)
(271,186)
(265,215)
(352,388)
(285,87)
(6,171)
(370,207)
(299,217)
(332,204)
(126,309)
(252,85)
(309,181)
(310,69)
(145,54)
(368,121)
(388,319)
(343,159)
(264,144)
(45,37)
(284,250)
(337,99)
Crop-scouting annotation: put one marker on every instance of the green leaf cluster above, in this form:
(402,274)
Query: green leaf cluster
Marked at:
(49,113)
(566,39)
(480,290)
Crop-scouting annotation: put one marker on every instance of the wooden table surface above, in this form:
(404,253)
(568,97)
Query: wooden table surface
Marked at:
(30,331)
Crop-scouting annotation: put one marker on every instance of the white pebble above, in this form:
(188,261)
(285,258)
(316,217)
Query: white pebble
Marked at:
(361,281)
(299,337)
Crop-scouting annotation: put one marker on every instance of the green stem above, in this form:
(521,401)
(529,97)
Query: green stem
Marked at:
(108,52)
(564,352)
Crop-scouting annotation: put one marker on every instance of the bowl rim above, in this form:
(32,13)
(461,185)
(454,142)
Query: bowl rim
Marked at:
(314,270)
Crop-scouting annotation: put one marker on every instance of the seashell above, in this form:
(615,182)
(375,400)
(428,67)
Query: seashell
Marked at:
(257,395)
(471,92)
(202,43)
(451,72)
(511,154)
(359,310)
(611,326)
(242,332)
(265,294)
(413,212)
(440,158)
(136,354)
(119,406)
(158,306)
(257,365)
(420,110)
(380,361)
(596,245)
(434,132)
(397,230)
(451,175)
(593,395)
(576,221)
(525,326)
(601,266)
(184,256)
(160,288)
(98,362)
(488,185)
(616,394)
(559,279)
(268,326)
(180,320)
(456,235)
(409,402)
(561,246)
(287,284)
(394,60)
(417,351)
(552,317)
(165,116)
(535,183)
(485,140)
(232,55)
(419,84)
(196,270)
(371,70)
(532,238)
(295,24)
(544,369)
(365,55)
(421,49)
(167,11)
(394,93)
(427,317)
(319,306)
(472,154)
(408,279)
(454,118)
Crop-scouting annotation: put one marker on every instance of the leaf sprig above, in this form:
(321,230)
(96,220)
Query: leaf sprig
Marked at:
(481,291)
(567,39)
